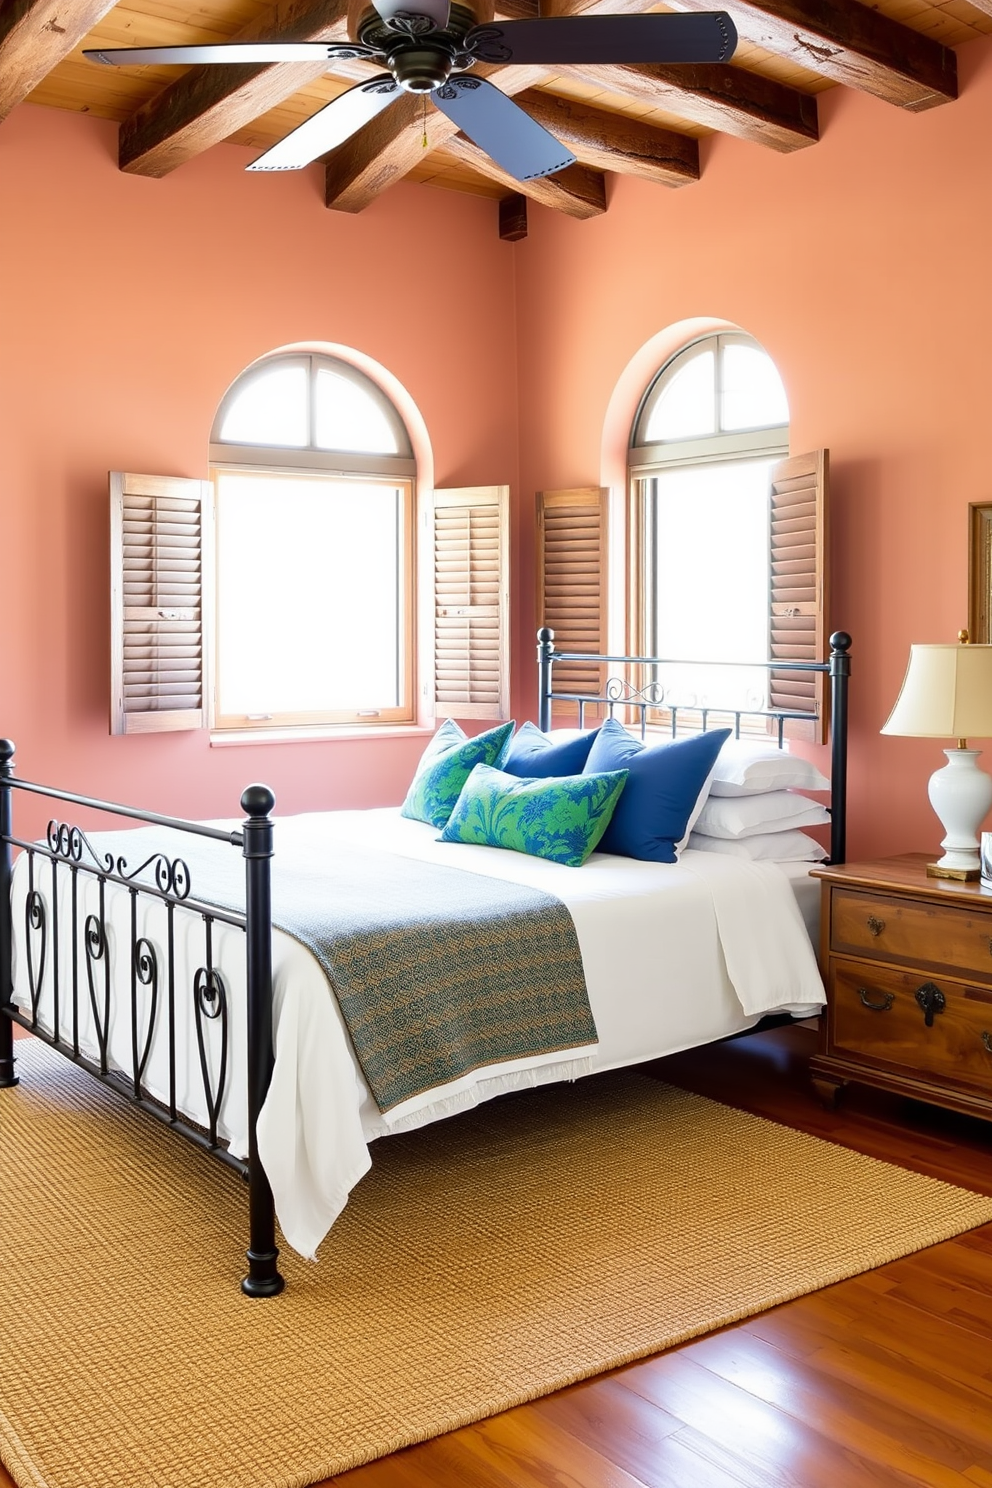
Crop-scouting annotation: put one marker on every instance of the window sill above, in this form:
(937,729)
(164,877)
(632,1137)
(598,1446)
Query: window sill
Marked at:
(234,738)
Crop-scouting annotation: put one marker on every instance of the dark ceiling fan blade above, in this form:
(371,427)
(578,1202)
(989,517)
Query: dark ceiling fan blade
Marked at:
(500,127)
(706,36)
(232,51)
(331,126)
(435,10)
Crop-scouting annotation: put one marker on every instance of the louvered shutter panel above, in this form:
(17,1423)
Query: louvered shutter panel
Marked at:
(571,580)
(160,561)
(471,602)
(798,610)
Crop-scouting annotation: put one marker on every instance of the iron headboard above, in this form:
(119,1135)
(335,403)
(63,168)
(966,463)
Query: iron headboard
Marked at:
(618,694)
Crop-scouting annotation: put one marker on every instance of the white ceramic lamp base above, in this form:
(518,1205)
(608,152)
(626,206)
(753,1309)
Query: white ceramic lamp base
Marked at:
(961,795)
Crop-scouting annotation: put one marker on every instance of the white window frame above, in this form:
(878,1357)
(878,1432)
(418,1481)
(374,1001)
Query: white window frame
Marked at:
(647,460)
(337,465)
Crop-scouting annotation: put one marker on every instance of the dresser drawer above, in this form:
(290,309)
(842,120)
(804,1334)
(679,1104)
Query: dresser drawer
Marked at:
(896,929)
(874,1014)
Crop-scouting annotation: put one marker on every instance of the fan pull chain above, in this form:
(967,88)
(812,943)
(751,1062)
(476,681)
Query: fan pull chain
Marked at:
(423,142)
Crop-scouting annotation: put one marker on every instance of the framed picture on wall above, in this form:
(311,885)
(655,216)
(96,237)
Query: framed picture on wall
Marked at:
(980,572)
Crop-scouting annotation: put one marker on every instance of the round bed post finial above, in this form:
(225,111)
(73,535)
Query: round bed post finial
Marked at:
(263,1279)
(7,1076)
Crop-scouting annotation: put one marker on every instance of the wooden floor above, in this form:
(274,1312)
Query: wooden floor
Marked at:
(882,1380)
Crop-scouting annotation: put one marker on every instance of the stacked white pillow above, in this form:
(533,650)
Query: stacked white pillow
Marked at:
(753,809)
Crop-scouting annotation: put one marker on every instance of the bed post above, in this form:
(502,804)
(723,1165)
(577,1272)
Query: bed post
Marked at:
(263,1279)
(840,672)
(7,1076)
(545,652)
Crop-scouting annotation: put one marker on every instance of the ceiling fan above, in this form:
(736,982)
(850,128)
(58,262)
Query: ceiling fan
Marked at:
(431,50)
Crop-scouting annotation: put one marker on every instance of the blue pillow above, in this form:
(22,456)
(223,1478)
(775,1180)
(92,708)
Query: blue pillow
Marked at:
(560,819)
(446,764)
(664,783)
(535,756)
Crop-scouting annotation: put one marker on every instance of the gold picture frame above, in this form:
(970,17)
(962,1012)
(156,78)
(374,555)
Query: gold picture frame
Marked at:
(980,572)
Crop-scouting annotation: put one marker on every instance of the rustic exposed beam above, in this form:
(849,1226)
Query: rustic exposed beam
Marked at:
(35,35)
(513,217)
(614,142)
(722,98)
(207,104)
(388,148)
(577,191)
(840,39)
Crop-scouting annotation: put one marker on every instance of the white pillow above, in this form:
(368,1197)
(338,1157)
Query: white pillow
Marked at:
(742,816)
(790,846)
(745,767)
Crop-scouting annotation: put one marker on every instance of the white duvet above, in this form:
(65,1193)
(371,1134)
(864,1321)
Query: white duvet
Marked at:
(674,955)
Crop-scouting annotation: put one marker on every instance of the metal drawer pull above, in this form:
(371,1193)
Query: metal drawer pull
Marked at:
(888,998)
(931,1000)
(987,1041)
(875,926)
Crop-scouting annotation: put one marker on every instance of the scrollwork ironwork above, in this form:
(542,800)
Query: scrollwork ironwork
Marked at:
(145,969)
(97,952)
(172,876)
(68,842)
(619,690)
(35,930)
(210,1002)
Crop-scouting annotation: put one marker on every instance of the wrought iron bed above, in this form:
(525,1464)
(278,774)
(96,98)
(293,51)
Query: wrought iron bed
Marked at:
(88,980)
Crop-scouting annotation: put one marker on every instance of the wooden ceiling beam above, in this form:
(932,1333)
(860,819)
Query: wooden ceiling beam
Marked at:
(726,99)
(35,35)
(577,190)
(207,104)
(839,39)
(615,142)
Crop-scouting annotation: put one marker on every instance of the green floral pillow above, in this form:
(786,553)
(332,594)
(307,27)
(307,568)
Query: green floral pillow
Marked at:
(446,764)
(561,819)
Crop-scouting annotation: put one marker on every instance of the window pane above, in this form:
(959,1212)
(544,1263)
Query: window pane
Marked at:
(347,417)
(752,395)
(308,581)
(270,409)
(686,405)
(711,588)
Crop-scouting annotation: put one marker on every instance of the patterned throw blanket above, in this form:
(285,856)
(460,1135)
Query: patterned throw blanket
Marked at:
(437,972)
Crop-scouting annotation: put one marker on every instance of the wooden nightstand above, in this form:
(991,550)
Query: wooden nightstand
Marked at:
(907,962)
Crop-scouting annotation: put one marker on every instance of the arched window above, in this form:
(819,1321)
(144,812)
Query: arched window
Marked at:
(314,616)
(710,429)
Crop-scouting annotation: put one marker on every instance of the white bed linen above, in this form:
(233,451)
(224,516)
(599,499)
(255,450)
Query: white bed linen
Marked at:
(656,941)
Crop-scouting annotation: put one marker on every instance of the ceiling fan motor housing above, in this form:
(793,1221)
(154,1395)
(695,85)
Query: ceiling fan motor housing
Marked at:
(419,55)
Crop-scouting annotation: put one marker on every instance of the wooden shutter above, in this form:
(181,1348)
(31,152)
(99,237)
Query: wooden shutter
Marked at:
(471,602)
(160,555)
(571,580)
(798,599)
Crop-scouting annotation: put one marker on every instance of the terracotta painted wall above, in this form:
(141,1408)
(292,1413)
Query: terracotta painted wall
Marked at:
(127,308)
(129,305)
(862,265)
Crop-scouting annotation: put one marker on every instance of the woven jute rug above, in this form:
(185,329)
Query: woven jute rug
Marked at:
(484,1261)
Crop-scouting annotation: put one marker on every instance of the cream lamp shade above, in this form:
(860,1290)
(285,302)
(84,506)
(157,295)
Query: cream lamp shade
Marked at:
(947,694)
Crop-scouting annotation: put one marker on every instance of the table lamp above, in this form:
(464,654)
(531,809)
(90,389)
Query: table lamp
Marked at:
(947,694)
